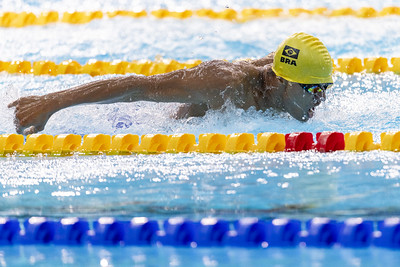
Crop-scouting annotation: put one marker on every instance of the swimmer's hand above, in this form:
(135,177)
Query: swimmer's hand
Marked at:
(31,114)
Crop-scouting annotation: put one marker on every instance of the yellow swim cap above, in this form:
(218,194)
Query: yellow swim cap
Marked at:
(303,58)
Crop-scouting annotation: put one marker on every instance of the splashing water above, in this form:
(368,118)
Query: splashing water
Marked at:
(361,102)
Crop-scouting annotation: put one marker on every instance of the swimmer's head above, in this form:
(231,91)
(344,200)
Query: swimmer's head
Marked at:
(304,66)
(303,59)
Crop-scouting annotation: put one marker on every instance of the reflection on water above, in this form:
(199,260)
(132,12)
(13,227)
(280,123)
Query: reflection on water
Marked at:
(168,256)
(295,185)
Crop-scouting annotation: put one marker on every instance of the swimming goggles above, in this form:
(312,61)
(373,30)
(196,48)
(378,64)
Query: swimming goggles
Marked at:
(315,88)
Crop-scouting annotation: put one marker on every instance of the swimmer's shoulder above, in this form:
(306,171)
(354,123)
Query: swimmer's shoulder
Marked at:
(239,68)
(264,61)
(215,62)
(224,66)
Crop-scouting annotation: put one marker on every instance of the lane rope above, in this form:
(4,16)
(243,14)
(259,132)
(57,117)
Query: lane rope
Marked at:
(208,232)
(147,67)
(23,19)
(128,144)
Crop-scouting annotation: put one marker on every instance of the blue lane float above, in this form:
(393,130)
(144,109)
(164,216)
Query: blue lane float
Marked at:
(208,232)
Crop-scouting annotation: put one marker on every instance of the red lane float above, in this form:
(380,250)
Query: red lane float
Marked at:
(299,141)
(329,141)
(326,141)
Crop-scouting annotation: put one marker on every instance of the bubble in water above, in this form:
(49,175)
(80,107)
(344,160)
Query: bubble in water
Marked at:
(123,122)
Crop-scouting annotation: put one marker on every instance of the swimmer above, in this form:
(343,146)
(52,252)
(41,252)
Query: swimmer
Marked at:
(293,79)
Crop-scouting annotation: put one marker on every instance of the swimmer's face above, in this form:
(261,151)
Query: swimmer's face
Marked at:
(300,102)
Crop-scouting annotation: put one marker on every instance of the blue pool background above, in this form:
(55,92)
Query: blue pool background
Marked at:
(295,185)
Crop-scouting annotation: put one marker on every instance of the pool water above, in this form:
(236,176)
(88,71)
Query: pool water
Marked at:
(170,256)
(299,185)
(295,185)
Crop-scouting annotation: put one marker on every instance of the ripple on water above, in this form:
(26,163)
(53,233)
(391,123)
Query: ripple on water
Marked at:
(304,184)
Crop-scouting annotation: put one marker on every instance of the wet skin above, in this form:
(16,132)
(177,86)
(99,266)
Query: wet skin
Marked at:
(300,103)
(207,86)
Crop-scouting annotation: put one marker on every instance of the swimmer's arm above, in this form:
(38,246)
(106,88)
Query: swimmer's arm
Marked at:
(160,88)
(202,85)
(33,112)
(107,91)
(102,91)
(198,85)
(206,84)
(269,59)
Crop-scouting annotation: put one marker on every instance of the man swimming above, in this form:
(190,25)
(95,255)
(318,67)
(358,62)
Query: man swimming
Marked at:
(293,79)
